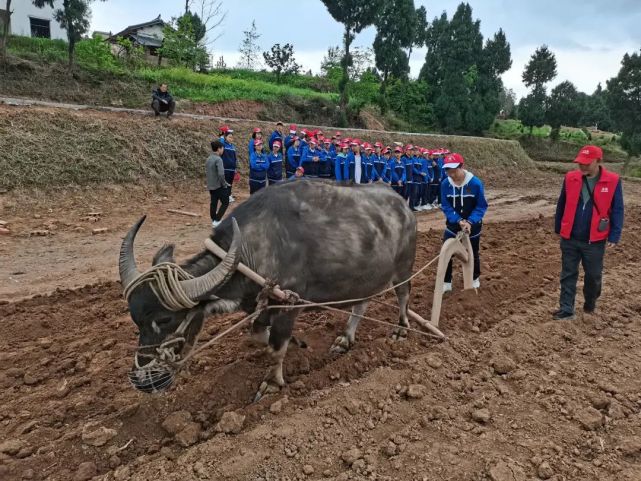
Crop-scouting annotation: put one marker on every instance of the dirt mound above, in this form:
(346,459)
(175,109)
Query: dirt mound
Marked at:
(509,392)
(52,147)
(546,150)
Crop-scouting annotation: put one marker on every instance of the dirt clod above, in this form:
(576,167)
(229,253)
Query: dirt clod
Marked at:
(503,365)
(231,423)
(482,416)
(590,419)
(189,434)
(86,471)
(176,422)
(12,446)
(416,391)
(97,436)
(545,471)
(308,469)
(351,456)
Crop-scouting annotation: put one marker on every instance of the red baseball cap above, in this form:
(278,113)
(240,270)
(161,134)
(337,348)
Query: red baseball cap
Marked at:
(226,130)
(313,141)
(337,135)
(276,144)
(398,148)
(453,161)
(302,169)
(292,129)
(257,130)
(589,154)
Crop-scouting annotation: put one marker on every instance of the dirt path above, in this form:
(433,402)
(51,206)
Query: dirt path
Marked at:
(511,396)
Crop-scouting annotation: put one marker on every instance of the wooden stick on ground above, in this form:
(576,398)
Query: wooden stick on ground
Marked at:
(183,212)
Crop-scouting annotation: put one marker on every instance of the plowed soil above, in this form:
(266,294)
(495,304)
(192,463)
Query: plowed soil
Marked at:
(510,396)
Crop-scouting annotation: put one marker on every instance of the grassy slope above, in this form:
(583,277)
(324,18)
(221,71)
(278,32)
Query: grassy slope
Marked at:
(55,148)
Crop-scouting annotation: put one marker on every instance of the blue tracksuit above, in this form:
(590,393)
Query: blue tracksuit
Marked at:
(366,170)
(349,170)
(409,176)
(293,159)
(258,166)
(397,173)
(437,177)
(426,194)
(326,168)
(229,161)
(466,202)
(307,162)
(276,135)
(339,166)
(417,182)
(289,141)
(275,169)
(378,166)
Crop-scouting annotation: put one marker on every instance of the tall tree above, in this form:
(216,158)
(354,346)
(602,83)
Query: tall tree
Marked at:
(281,60)
(418,27)
(211,15)
(6,22)
(563,108)
(540,69)
(393,34)
(72,17)
(463,73)
(624,101)
(181,44)
(355,15)
(249,49)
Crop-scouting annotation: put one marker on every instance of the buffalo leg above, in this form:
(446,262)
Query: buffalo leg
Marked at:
(343,343)
(403,295)
(282,324)
(260,328)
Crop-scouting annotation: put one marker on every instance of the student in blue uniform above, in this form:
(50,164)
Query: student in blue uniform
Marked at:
(339,162)
(426,187)
(277,136)
(397,172)
(353,170)
(464,205)
(229,157)
(409,176)
(299,173)
(417,179)
(368,166)
(257,134)
(326,168)
(293,156)
(275,159)
(258,166)
(310,158)
(437,178)
(378,162)
(289,140)
(386,158)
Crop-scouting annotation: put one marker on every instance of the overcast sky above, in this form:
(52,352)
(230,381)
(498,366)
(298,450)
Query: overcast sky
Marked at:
(589,37)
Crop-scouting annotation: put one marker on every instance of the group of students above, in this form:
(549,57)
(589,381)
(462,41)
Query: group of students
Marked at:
(425,178)
(414,172)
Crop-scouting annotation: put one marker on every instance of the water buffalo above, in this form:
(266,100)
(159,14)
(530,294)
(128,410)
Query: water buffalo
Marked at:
(324,241)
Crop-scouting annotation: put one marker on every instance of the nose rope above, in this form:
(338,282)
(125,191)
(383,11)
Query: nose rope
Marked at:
(164,279)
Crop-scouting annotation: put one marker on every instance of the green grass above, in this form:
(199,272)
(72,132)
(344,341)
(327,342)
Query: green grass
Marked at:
(513,129)
(215,87)
(38,49)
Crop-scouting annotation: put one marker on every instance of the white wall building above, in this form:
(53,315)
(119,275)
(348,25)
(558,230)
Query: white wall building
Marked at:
(30,21)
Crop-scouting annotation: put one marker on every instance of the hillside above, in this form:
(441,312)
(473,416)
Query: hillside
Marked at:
(45,147)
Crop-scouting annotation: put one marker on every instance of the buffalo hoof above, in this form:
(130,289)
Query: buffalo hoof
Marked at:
(267,387)
(399,334)
(341,345)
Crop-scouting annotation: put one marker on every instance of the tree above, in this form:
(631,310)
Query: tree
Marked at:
(624,102)
(361,62)
(211,16)
(595,111)
(463,73)
(281,60)
(541,68)
(393,35)
(6,21)
(220,63)
(532,109)
(507,100)
(418,25)
(249,49)
(331,60)
(180,43)
(72,17)
(563,108)
(355,15)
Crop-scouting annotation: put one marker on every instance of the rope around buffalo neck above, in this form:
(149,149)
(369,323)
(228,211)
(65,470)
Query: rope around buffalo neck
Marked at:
(164,280)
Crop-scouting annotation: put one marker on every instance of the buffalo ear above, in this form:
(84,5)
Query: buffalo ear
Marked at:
(164,254)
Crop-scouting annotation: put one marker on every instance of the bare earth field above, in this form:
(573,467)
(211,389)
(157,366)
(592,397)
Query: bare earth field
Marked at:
(511,396)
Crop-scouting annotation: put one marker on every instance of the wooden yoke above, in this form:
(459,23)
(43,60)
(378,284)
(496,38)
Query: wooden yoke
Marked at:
(459,247)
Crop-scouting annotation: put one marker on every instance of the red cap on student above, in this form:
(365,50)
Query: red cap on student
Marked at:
(226,130)
(337,135)
(378,144)
(327,142)
(292,129)
(302,169)
(453,161)
(312,141)
(398,149)
(257,130)
(589,154)
(355,142)
(276,144)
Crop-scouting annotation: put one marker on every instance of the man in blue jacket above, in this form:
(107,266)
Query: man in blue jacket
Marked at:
(277,135)
(293,157)
(464,205)
(396,172)
(258,166)
(310,158)
(229,157)
(589,216)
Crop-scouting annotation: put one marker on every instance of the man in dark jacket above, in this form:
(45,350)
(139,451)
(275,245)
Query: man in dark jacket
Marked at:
(589,214)
(277,136)
(216,184)
(162,101)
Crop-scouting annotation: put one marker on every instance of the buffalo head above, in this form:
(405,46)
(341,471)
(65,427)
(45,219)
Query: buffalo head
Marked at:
(169,316)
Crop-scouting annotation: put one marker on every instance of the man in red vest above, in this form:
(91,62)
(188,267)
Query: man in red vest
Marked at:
(589,214)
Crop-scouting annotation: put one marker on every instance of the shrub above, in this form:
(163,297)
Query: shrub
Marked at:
(43,49)
(96,54)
